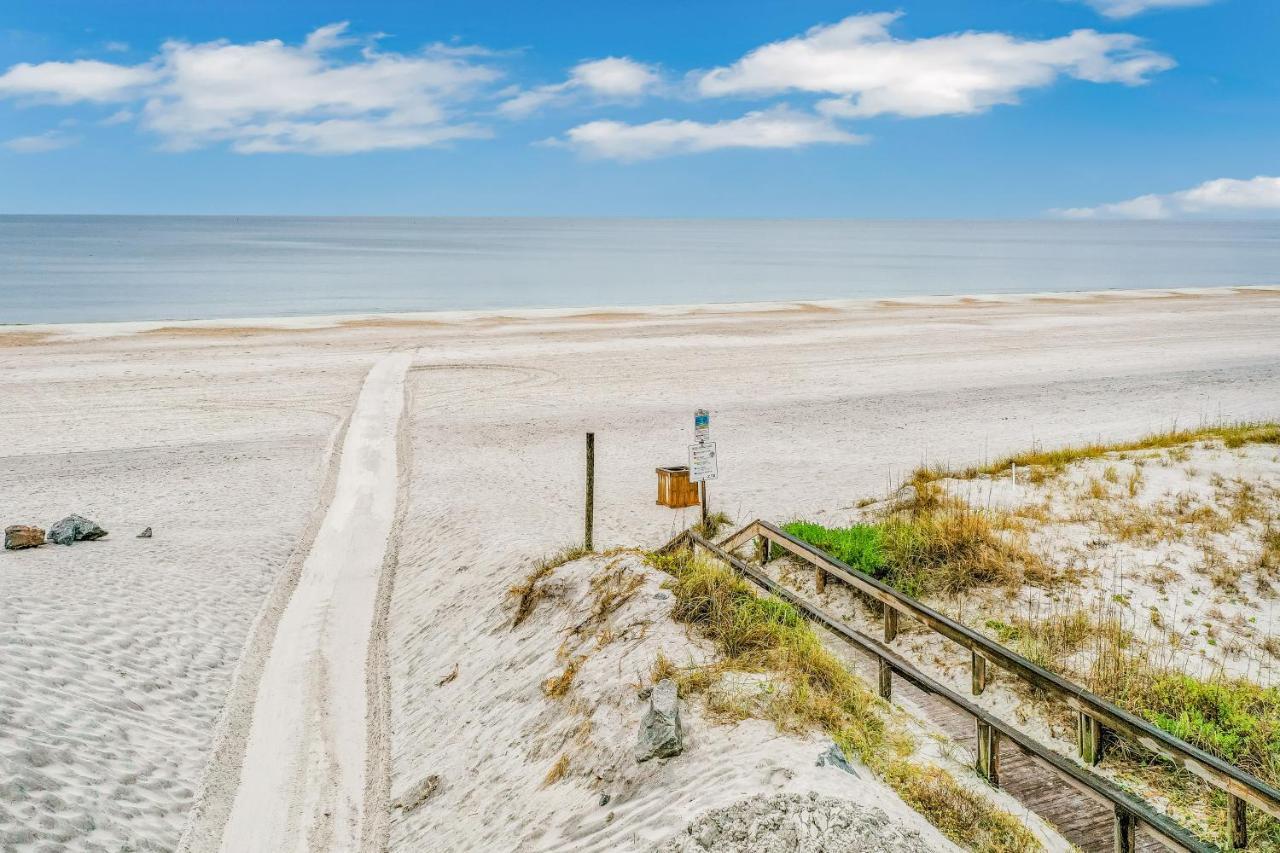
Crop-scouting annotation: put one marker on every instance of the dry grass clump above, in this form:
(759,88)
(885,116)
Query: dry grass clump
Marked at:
(557,686)
(962,815)
(530,591)
(1042,463)
(558,770)
(935,545)
(810,688)
(711,527)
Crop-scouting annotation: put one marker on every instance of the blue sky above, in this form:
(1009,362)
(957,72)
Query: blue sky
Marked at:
(920,108)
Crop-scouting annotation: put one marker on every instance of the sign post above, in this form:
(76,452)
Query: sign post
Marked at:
(703,466)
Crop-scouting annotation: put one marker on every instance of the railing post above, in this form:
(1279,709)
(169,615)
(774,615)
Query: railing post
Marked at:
(1089,738)
(886,681)
(820,581)
(1238,822)
(979,667)
(890,623)
(1126,837)
(988,753)
(766,550)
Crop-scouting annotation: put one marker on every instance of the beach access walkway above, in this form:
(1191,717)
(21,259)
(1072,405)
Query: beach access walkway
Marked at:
(303,783)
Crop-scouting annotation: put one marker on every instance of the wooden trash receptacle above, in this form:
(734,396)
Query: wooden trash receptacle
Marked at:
(674,488)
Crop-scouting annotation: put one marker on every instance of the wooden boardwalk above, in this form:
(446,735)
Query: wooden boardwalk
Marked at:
(1084,821)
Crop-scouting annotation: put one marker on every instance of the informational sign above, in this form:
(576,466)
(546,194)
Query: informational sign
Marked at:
(701,426)
(702,462)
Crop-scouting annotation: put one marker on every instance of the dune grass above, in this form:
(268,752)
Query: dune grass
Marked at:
(938,546)
(1053,460)
(810,688)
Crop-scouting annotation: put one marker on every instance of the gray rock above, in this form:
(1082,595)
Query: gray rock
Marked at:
(145,534)
(19,536)
(74,528)
(834,757)
(660,734)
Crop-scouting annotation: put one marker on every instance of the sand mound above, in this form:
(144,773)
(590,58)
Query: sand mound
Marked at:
(795,823)
(537,730)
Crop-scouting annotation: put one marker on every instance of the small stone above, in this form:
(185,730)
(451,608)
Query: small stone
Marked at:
(74,528)
(834,757)
(604,799)
(145,534)
(660,733)
(19,536)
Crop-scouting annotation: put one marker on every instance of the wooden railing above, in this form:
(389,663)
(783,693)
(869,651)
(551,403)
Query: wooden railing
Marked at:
(1094,713)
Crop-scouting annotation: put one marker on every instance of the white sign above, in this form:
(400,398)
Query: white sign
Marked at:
(702,462)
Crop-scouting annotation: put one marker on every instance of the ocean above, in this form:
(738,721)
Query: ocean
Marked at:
(56,269)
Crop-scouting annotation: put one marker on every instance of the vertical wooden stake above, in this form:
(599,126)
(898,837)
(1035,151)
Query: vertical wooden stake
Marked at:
(591,492)
(890,623)
(702,491)
(820,580)
(1236,818)
(988,753)
(766,550)
(1126,841)
(1089,739)
(979,674)
(886,682)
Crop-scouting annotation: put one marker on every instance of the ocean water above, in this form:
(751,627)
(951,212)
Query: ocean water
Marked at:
(91,268)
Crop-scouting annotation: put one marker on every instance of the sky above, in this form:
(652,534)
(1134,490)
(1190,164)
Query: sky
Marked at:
(1077,109)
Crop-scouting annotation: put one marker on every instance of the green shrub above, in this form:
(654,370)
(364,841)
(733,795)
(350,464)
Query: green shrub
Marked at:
(860,545)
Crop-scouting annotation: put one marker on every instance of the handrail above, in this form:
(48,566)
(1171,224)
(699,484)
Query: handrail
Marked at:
(1127,806)
(1211,769)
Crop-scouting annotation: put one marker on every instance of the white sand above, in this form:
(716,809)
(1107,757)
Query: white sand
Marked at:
(812,407)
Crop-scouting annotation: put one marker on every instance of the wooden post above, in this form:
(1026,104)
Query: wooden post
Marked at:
(988,753)
(1125,835)
(702,491)
(591,491)
(886,681)
(1089,738)
(820,580)
(979,674)
(1238,822)
(890,623)
(764,548)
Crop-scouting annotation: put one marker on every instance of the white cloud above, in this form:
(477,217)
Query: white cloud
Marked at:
(614,77)
(779,127)
(50,140)
(1129,8)
(72,82)
(118,117)
(269,96)
(1224,196)
(872,73)
(116,47)
(315,98)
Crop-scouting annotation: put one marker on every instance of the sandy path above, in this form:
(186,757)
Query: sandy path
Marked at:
(302,780)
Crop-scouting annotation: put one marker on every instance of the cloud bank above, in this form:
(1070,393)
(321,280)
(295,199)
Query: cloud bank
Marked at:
(1224,197)
(780,127)
(871,73)
(269,96)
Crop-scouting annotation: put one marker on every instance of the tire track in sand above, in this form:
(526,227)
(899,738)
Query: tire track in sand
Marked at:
(303,776)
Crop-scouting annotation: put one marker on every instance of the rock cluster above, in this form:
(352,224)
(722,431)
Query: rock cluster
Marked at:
(660,734)
(796,823)
(68,530)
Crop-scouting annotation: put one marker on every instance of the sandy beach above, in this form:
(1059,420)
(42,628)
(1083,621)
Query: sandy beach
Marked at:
(145,682)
